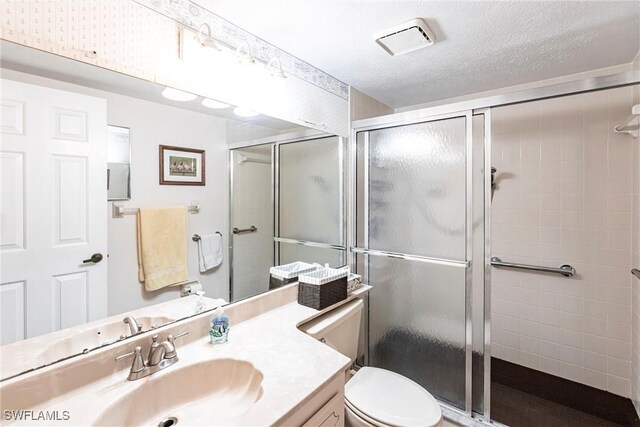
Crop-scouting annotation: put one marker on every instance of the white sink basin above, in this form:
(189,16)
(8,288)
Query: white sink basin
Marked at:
(94,337)
(206,393)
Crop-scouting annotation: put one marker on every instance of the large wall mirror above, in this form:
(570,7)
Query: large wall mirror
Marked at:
(71,194)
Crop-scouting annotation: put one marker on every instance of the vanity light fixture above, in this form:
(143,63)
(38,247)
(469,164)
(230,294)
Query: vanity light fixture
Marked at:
(244,112)
(274,68)
(205,39)
(245,56)
(212,103)
(178,95)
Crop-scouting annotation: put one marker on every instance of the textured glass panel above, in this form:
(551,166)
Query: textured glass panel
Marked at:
(311,191)
(417,189)
(417,324)
(291,253)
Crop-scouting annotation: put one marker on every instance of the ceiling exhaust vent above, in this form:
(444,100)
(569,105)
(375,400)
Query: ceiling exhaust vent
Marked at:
(404,38)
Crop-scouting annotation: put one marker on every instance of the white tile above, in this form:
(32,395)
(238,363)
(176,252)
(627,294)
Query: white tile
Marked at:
(619,386)
(595,361)
(619,349)
(619,368)
(594,378)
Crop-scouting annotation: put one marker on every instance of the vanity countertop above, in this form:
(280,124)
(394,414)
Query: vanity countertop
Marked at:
(263,332)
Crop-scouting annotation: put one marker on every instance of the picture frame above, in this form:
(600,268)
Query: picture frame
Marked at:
(181,165)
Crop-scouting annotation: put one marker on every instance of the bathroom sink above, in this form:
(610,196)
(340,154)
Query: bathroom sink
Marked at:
(93,337)
(206,393)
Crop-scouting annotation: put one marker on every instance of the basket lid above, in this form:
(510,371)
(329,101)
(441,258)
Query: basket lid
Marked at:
(323,275)
(294,269)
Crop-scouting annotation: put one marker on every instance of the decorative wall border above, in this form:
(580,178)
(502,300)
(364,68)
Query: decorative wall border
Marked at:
(192,15)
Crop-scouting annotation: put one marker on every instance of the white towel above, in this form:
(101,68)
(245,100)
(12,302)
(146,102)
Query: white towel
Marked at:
(209,251)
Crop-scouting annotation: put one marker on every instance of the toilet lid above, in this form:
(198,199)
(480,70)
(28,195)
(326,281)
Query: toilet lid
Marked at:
(391,398)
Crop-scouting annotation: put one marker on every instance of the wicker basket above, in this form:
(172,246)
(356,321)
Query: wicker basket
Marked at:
(284,274)
(322,288)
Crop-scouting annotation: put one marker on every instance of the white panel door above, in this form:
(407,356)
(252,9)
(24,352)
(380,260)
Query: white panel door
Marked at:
(53,209)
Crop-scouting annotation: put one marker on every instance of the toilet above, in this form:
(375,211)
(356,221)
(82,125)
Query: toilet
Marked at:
(373,396)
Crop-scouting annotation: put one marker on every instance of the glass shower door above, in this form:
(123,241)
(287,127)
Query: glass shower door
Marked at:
(310,202)
(414,244)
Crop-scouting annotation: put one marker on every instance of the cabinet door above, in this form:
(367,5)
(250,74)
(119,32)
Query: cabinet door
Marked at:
(330,415)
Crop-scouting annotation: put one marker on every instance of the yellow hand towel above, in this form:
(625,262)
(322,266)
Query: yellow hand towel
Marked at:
(162,247)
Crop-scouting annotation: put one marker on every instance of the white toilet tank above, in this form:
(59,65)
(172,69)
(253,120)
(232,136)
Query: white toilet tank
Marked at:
(339,328)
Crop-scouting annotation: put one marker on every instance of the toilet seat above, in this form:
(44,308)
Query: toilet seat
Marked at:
(384,398)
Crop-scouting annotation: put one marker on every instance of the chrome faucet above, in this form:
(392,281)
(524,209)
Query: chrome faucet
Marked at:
(134,326)
(161,355)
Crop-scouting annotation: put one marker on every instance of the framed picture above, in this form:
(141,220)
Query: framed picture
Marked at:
(181,166)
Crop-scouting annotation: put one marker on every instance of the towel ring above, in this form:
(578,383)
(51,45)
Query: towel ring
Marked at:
(196,237)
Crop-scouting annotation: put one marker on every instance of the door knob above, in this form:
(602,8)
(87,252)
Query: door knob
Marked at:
(95,258)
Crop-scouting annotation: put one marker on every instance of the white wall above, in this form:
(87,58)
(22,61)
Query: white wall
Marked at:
(565,197)
(151,125)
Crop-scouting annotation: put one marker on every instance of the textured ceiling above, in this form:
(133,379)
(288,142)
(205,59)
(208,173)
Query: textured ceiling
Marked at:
(479,45)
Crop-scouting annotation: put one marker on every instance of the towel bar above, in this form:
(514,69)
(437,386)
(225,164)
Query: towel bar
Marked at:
(251,229)
(635,272)
(196,237)
(119,211)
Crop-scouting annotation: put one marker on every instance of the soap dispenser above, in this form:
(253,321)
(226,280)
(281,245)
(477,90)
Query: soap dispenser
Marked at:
(219,331)
(200,304)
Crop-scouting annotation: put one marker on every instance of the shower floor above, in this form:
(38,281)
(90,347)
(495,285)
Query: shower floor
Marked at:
(518,409)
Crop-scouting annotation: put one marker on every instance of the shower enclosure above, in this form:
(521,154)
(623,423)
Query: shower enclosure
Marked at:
(420,224)
(420,191)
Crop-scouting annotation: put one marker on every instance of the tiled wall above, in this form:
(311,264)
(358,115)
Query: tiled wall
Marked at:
(564,196)
(635,365)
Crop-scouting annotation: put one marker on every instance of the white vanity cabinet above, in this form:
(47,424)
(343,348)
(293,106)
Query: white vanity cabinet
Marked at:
(330,415)
(325,408)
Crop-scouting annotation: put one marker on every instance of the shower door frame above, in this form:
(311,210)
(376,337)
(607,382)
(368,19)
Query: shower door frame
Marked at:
(411,118)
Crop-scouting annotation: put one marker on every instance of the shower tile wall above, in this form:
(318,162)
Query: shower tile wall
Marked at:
(564,196)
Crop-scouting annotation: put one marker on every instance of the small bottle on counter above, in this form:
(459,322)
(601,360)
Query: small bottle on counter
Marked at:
(219,330)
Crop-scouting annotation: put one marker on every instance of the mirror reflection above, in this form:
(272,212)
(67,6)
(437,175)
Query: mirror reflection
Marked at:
(287,205)
(131,246)
(118,163)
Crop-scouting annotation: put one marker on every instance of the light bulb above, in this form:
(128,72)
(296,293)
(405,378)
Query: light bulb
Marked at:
(178,95)
(216,105)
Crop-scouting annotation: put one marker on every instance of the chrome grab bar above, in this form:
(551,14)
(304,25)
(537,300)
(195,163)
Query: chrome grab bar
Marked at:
(251,229)
(565,270)
(635,272)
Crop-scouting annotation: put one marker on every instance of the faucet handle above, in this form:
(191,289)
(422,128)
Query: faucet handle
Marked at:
(138,363)
(170,339)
